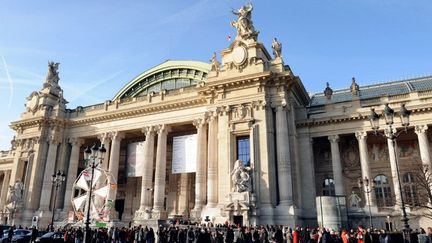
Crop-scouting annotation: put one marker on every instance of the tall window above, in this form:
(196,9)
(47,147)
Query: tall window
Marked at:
(328,187)
(410,189)
(382,191)
(243,149)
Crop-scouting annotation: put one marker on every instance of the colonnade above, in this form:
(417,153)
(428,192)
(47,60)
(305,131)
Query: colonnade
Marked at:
(206,191)
(420,130)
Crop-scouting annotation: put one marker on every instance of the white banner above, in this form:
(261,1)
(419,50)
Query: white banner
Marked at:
(135,159)
(184,154)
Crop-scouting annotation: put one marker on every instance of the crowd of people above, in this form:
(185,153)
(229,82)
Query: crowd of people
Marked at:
(234,234)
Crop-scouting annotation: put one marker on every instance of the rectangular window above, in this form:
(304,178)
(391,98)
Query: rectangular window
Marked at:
(243,149)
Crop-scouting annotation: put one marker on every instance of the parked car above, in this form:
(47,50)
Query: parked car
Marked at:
(15,233)
(52,237)
(26,238)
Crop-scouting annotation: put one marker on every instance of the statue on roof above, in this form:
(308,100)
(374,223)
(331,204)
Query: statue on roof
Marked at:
(53,75)
(354,87)
(277,48)
(244,24)
(328,92)
(215,64)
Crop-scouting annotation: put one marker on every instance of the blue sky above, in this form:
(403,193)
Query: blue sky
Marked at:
(102,45)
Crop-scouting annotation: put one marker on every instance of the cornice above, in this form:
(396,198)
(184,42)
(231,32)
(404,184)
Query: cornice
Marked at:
(134,112)
(237,81)
(39,121)
(341,119)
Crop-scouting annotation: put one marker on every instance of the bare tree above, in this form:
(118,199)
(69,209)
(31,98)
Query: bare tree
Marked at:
(423,180)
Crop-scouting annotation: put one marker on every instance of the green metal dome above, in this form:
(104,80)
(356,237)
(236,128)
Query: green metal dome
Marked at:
(166,76)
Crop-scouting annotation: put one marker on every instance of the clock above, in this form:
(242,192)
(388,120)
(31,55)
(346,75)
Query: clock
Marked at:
(239,55)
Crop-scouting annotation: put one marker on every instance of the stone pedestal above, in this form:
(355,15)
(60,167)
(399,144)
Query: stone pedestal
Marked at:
(331,212)
(285,215)
(241,206)
(159,214)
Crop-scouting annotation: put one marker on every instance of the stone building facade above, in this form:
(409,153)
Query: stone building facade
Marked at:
(299,149)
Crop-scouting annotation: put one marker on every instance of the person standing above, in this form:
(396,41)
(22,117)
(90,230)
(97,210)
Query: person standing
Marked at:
(150,237)
(34,234)
(229,238)
(296,235)
(10,233)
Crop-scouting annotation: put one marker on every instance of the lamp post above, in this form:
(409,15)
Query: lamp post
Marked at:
(57,179)
(392,135)
(368,188)
(93,158)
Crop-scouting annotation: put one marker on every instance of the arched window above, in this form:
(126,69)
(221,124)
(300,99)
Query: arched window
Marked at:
(383,191)
(328,187)
(410,189)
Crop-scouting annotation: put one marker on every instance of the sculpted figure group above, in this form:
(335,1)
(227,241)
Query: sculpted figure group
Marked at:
(243,24)
(240,177)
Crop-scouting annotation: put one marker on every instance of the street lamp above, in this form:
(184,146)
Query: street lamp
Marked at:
(392,135)
(57,179)
(93,158)
(368,188)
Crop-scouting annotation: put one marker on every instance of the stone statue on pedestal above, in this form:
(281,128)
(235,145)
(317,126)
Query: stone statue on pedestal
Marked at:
(240,177)
(244,25)
(15,195)
(215,64)
(277,48)
(354,200)
(53,75)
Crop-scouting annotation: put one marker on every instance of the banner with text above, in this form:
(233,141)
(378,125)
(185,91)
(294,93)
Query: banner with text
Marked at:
(135,159)
(184,154)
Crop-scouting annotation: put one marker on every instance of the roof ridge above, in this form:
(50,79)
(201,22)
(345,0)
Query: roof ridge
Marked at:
(382,84)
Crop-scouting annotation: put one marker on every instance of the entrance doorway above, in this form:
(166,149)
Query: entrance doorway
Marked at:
(238,220)
(119,207)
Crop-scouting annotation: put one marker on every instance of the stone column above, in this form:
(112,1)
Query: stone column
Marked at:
(115,154)
(212,172)
(365,171)
(201,167)
(160,173)
(337,165)
(105,139)
(393,165)
(4,188)
(72,171)
(47,184)
(421,131)
(283,157)
(147,178)
(184,194)
(114,163)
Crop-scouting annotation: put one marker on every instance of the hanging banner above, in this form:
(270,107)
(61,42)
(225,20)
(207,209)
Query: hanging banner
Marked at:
(184,154)
(135,159)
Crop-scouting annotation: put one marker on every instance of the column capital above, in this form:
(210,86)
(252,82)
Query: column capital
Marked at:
(333,138)
(213,114)
(76,141)
(104,136)
(116,135)
(147,130)
(361,135)
(162,128)
(199,123)
(283,104)
(54,139)
(419,129)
